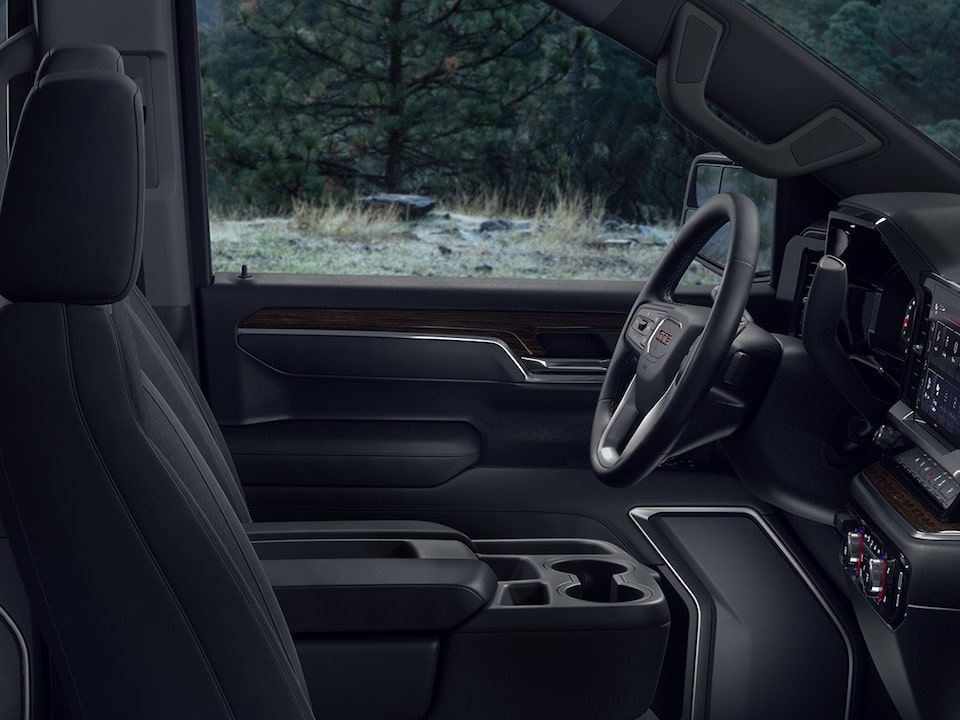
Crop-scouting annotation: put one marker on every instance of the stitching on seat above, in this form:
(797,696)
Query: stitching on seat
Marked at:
(36,574)
(228,562)
(173,356)
(298,692)
(136,528)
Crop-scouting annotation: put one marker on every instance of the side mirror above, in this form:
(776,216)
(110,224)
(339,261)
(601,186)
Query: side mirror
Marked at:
(713,173)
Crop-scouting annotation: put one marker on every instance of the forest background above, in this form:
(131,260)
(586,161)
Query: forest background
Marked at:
(501,104)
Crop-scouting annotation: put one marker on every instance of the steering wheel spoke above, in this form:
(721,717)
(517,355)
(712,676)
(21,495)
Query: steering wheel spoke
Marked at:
(620,428)
(678,349)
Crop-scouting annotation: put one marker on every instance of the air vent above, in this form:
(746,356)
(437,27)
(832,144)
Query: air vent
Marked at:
(915,359)
(808,268)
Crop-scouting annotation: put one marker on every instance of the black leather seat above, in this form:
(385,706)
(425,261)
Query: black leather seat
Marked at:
(113,490)
(167,370)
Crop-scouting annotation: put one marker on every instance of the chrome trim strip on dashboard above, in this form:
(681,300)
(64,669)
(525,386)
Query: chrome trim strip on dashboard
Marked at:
(645,514)
(24,659)
(586,377)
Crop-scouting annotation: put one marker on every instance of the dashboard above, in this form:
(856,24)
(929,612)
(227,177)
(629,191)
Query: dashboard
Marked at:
(900,531)
(902,328)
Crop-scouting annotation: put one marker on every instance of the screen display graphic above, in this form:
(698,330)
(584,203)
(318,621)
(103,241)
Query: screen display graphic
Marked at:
(938,398)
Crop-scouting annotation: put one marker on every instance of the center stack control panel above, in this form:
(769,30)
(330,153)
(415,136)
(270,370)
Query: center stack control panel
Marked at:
(875,566)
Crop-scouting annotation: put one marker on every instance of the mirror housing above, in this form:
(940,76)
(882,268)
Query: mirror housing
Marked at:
(713,173)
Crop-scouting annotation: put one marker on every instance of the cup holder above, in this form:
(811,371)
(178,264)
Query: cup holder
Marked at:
(596,581)
(508,567)
(528,593)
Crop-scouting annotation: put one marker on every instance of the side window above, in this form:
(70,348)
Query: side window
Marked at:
(426,138)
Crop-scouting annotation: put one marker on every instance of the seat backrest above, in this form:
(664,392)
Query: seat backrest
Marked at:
(165,367)
(142,579)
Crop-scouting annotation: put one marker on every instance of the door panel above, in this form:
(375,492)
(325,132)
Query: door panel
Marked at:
(407,453)
(320,385)
(336,391)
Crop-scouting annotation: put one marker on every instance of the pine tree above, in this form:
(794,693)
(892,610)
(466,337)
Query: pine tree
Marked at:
(306,98)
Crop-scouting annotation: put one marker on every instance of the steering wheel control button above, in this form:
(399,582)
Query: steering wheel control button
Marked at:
(641,327)
(663,337)
(737,369)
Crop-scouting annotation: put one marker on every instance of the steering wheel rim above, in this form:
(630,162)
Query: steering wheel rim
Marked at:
(633,431)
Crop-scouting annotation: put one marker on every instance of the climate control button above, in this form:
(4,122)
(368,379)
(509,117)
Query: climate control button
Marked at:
(853,549)
(873,576)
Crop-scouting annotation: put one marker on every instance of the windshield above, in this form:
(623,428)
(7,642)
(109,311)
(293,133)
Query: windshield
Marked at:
(904,52)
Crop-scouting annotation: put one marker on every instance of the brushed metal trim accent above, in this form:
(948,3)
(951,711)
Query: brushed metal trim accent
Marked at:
(641,514)
(528,377)
(638,514)
(569,366)
(24,659)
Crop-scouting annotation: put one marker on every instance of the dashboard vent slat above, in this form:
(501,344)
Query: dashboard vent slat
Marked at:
(921,319)
(808,268)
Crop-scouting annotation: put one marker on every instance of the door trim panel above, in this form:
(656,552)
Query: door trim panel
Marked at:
(335,353)
(520,331)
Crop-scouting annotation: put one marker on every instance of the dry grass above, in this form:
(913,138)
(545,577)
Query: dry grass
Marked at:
(562,237)
(558,219)
(346,222)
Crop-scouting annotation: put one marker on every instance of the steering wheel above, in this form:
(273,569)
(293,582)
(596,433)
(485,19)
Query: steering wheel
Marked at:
(669,354)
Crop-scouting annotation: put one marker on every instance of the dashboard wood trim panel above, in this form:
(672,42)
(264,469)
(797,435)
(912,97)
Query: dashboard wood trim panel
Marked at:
(901,497)
(519,330)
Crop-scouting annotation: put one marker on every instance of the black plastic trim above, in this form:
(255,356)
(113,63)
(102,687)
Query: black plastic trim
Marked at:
(194,147)
(641,516)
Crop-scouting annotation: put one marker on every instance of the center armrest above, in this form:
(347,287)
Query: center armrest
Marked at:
(359,529)
(376,584)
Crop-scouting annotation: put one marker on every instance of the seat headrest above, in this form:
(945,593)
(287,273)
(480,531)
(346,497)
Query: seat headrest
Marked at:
(69,58)
(71,216)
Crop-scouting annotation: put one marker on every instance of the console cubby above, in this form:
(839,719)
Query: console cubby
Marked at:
(590,578)
(577,628)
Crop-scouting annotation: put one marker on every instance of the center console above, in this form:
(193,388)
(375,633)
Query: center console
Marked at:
(900,538)
(932,419)
(414,620)
(919,474)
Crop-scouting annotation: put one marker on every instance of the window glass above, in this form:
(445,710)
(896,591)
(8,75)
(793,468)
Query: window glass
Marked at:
(904,52)
(533,147)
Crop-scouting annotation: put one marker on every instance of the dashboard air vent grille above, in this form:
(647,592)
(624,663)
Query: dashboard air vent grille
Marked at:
(920,340)
(808,268)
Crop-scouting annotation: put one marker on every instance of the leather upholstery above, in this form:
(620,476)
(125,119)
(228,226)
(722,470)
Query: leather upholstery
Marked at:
(74,236)
(67,58)
(113,481)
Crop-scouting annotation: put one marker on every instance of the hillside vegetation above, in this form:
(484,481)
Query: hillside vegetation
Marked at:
(311,103)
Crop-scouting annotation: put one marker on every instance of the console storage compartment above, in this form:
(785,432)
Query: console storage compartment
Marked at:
(338,586)
(578,629)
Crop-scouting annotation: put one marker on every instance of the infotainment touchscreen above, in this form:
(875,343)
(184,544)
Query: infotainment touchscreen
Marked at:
(938,397)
